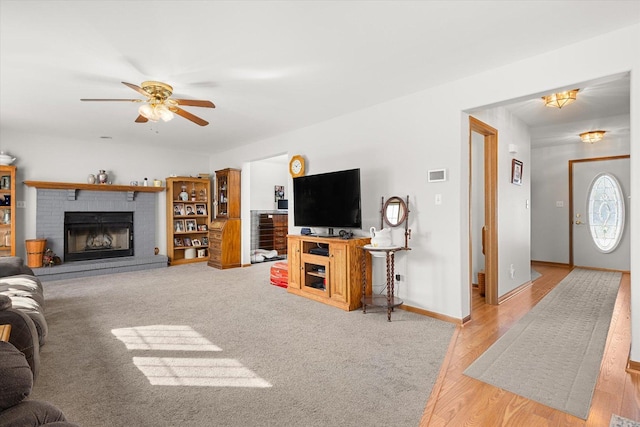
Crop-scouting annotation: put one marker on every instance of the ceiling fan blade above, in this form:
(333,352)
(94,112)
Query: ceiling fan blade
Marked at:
(195,103)
(141,119)
(128,100)
(187,115)
(136,88)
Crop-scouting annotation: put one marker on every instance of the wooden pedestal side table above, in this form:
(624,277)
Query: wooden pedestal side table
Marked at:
(390,301)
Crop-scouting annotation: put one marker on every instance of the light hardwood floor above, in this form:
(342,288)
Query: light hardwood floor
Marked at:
(458,400)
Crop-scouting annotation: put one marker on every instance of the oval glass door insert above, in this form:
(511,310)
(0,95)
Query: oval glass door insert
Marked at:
(606,212)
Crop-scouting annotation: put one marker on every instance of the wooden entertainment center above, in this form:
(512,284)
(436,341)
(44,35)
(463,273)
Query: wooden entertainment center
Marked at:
(329,270)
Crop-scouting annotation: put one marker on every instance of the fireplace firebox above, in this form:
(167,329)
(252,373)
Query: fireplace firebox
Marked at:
(96,235)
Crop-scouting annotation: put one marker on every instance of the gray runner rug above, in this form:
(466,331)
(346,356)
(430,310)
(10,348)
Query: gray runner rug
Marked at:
(553,354)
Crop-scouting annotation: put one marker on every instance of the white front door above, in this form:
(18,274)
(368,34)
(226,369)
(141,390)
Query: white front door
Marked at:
(590,220)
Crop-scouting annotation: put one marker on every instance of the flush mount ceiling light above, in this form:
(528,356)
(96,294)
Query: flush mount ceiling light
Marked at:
(560,99)
(592,136)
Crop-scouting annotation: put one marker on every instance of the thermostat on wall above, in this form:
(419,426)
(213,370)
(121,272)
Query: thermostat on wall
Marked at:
(437,175)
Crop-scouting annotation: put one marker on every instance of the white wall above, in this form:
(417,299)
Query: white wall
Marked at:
(514,213)
(395,143)
(265,175)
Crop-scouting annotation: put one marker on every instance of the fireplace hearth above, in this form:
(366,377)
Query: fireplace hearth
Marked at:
(97,235)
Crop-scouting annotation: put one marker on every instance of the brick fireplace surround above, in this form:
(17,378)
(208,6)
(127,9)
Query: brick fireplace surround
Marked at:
(53,202)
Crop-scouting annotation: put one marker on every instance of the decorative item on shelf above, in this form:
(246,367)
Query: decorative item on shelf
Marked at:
(203,195)
(6,159)
(5,182)
(6,218)
(145,182)
(193,193)
(91,179)
(380,238)
(134,183)
(7,238)
(184,196)
(157,183)
(6,200)
(102,176)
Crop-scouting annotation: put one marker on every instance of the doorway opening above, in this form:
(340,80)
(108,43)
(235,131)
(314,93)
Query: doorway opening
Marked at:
(488,231)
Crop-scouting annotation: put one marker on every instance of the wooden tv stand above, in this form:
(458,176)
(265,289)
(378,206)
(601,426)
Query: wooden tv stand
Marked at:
(334,278)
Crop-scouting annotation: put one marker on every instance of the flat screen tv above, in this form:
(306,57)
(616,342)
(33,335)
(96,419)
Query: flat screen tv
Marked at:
(328,200)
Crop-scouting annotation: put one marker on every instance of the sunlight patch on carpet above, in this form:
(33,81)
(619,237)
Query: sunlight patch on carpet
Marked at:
(164,337)
(182,371)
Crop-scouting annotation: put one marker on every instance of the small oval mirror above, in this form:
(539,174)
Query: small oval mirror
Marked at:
(394,211)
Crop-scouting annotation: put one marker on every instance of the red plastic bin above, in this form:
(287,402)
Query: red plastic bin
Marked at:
(280,274)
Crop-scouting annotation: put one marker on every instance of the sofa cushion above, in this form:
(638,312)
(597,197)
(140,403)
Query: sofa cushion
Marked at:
(24,334)
(12,265)
(32,413)
(17,378)
(5,302)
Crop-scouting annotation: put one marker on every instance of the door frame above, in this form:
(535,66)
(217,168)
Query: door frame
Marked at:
(571,213)
(490,208)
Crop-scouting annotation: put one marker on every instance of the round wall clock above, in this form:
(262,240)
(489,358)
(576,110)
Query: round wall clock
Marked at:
(296,166)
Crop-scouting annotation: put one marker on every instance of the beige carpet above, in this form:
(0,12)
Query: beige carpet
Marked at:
(195,346)
(553,354)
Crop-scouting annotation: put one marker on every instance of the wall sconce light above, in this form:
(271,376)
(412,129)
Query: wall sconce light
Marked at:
(560,99)
(592,136)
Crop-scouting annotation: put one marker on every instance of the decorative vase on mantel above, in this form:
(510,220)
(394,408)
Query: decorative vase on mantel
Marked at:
(102,176)
(91,179)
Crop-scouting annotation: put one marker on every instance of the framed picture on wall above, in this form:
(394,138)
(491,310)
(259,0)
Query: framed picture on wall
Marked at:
(516,172)
(279,192)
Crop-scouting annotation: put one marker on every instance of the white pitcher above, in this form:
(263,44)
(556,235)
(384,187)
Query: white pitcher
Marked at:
(380,238)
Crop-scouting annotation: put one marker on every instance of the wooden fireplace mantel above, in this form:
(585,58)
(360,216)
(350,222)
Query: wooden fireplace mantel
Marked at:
(73,187)
(49,185)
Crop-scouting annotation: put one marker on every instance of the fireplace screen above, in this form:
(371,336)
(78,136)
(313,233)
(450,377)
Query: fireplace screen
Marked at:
(95,235)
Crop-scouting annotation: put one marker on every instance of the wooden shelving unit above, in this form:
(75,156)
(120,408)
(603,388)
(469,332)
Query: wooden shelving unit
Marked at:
(7,210)
(225,233)
(333,276)
(188,219)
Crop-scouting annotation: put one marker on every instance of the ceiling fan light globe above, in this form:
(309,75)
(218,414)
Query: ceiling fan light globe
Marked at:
(163,112)
(146,111)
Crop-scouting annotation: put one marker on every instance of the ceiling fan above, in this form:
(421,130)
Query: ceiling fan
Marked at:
(159,105)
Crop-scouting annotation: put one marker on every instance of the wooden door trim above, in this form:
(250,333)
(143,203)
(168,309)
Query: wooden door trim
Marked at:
(571,163)
(490,207)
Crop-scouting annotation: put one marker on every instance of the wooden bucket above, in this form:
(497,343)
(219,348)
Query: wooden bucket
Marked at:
(35,251)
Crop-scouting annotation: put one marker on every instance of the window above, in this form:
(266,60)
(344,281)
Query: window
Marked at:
(606,212)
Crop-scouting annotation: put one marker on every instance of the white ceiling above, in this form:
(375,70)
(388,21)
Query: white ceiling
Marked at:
(269,66)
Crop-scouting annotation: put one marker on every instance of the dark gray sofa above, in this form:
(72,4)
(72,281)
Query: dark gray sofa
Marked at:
(25,290)
(22,307)
(15,387)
